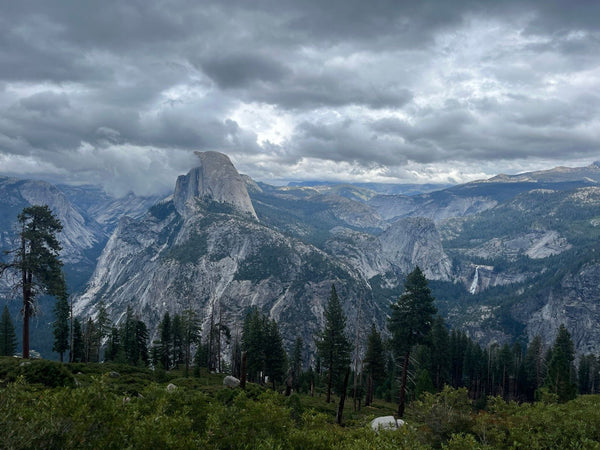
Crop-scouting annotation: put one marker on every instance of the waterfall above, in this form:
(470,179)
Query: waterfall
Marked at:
(475,282)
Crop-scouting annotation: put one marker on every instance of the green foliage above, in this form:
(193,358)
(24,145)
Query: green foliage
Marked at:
(47,373)
(442,414)
(60,326)
(162,210)
(275,356)
(410,322)
(374,363)
(333,345)
(265,355)
(132,411)
(129,342)
(270,261)
(190,251)
(296,362)
(559,378)
(8,338)
(37,261)
(412,315)
(77,353)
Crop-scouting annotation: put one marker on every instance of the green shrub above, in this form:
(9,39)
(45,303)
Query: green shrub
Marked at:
(442,414)
(47,373)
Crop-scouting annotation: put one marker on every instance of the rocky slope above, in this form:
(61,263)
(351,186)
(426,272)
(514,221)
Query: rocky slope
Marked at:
(529,265)
(80,233)
(204,248)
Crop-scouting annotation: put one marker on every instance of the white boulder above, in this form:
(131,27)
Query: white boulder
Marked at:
(231,382)
(386,423)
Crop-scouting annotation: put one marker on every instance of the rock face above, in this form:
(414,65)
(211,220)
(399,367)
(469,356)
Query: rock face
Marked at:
(575,302)
(436,207)
(79,234)
(537,244)
(214,179)
(414,242)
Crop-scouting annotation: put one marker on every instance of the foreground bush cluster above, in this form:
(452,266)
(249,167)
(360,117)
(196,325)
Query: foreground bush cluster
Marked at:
(101,406)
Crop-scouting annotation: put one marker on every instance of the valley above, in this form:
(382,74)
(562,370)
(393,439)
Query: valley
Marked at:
(508,258)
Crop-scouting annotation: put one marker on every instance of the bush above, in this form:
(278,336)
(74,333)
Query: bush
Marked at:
(442,414)
(47,373)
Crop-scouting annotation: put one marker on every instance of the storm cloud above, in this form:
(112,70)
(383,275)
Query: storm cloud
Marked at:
(122,93)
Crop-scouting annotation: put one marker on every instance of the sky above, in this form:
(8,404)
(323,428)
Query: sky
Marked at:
(121,93)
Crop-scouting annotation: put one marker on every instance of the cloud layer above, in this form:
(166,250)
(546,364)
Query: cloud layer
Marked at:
(122,93)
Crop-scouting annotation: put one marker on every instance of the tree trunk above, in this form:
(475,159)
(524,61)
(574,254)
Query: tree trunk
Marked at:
(243,371)
(369,396)
(340,411)
(329,379)
(403,386)
(26,314)
(71,333)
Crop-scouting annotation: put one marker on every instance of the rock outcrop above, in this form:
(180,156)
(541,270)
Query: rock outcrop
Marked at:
(575,302)
(414,242)
(215,179)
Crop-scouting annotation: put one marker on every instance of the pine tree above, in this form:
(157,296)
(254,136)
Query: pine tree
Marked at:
(8,338)
(113,348)
(296,362)
(177,336)
(410,322)
(560,368)
(534,366)
(78,348)
(191,334)
(275,357)
(585,373)
(103,327)
(60,326)
(37,261)
(253,343)
(374,363)
(440,353)
(140,356)
(90,349)
(333,345)
(166,341)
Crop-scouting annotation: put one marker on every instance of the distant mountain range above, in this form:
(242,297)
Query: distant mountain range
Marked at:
(508,257)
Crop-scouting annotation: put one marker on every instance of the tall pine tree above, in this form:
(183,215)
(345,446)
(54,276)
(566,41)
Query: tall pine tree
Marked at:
(37,261)
(60,326)
(191,334)
(275,357)
(78,347)
(8,338)
(296,362)
(374,363)
(253,343)
(410,322)
(559,378)
(333,345)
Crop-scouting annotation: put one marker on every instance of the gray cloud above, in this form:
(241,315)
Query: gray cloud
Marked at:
(385,87)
